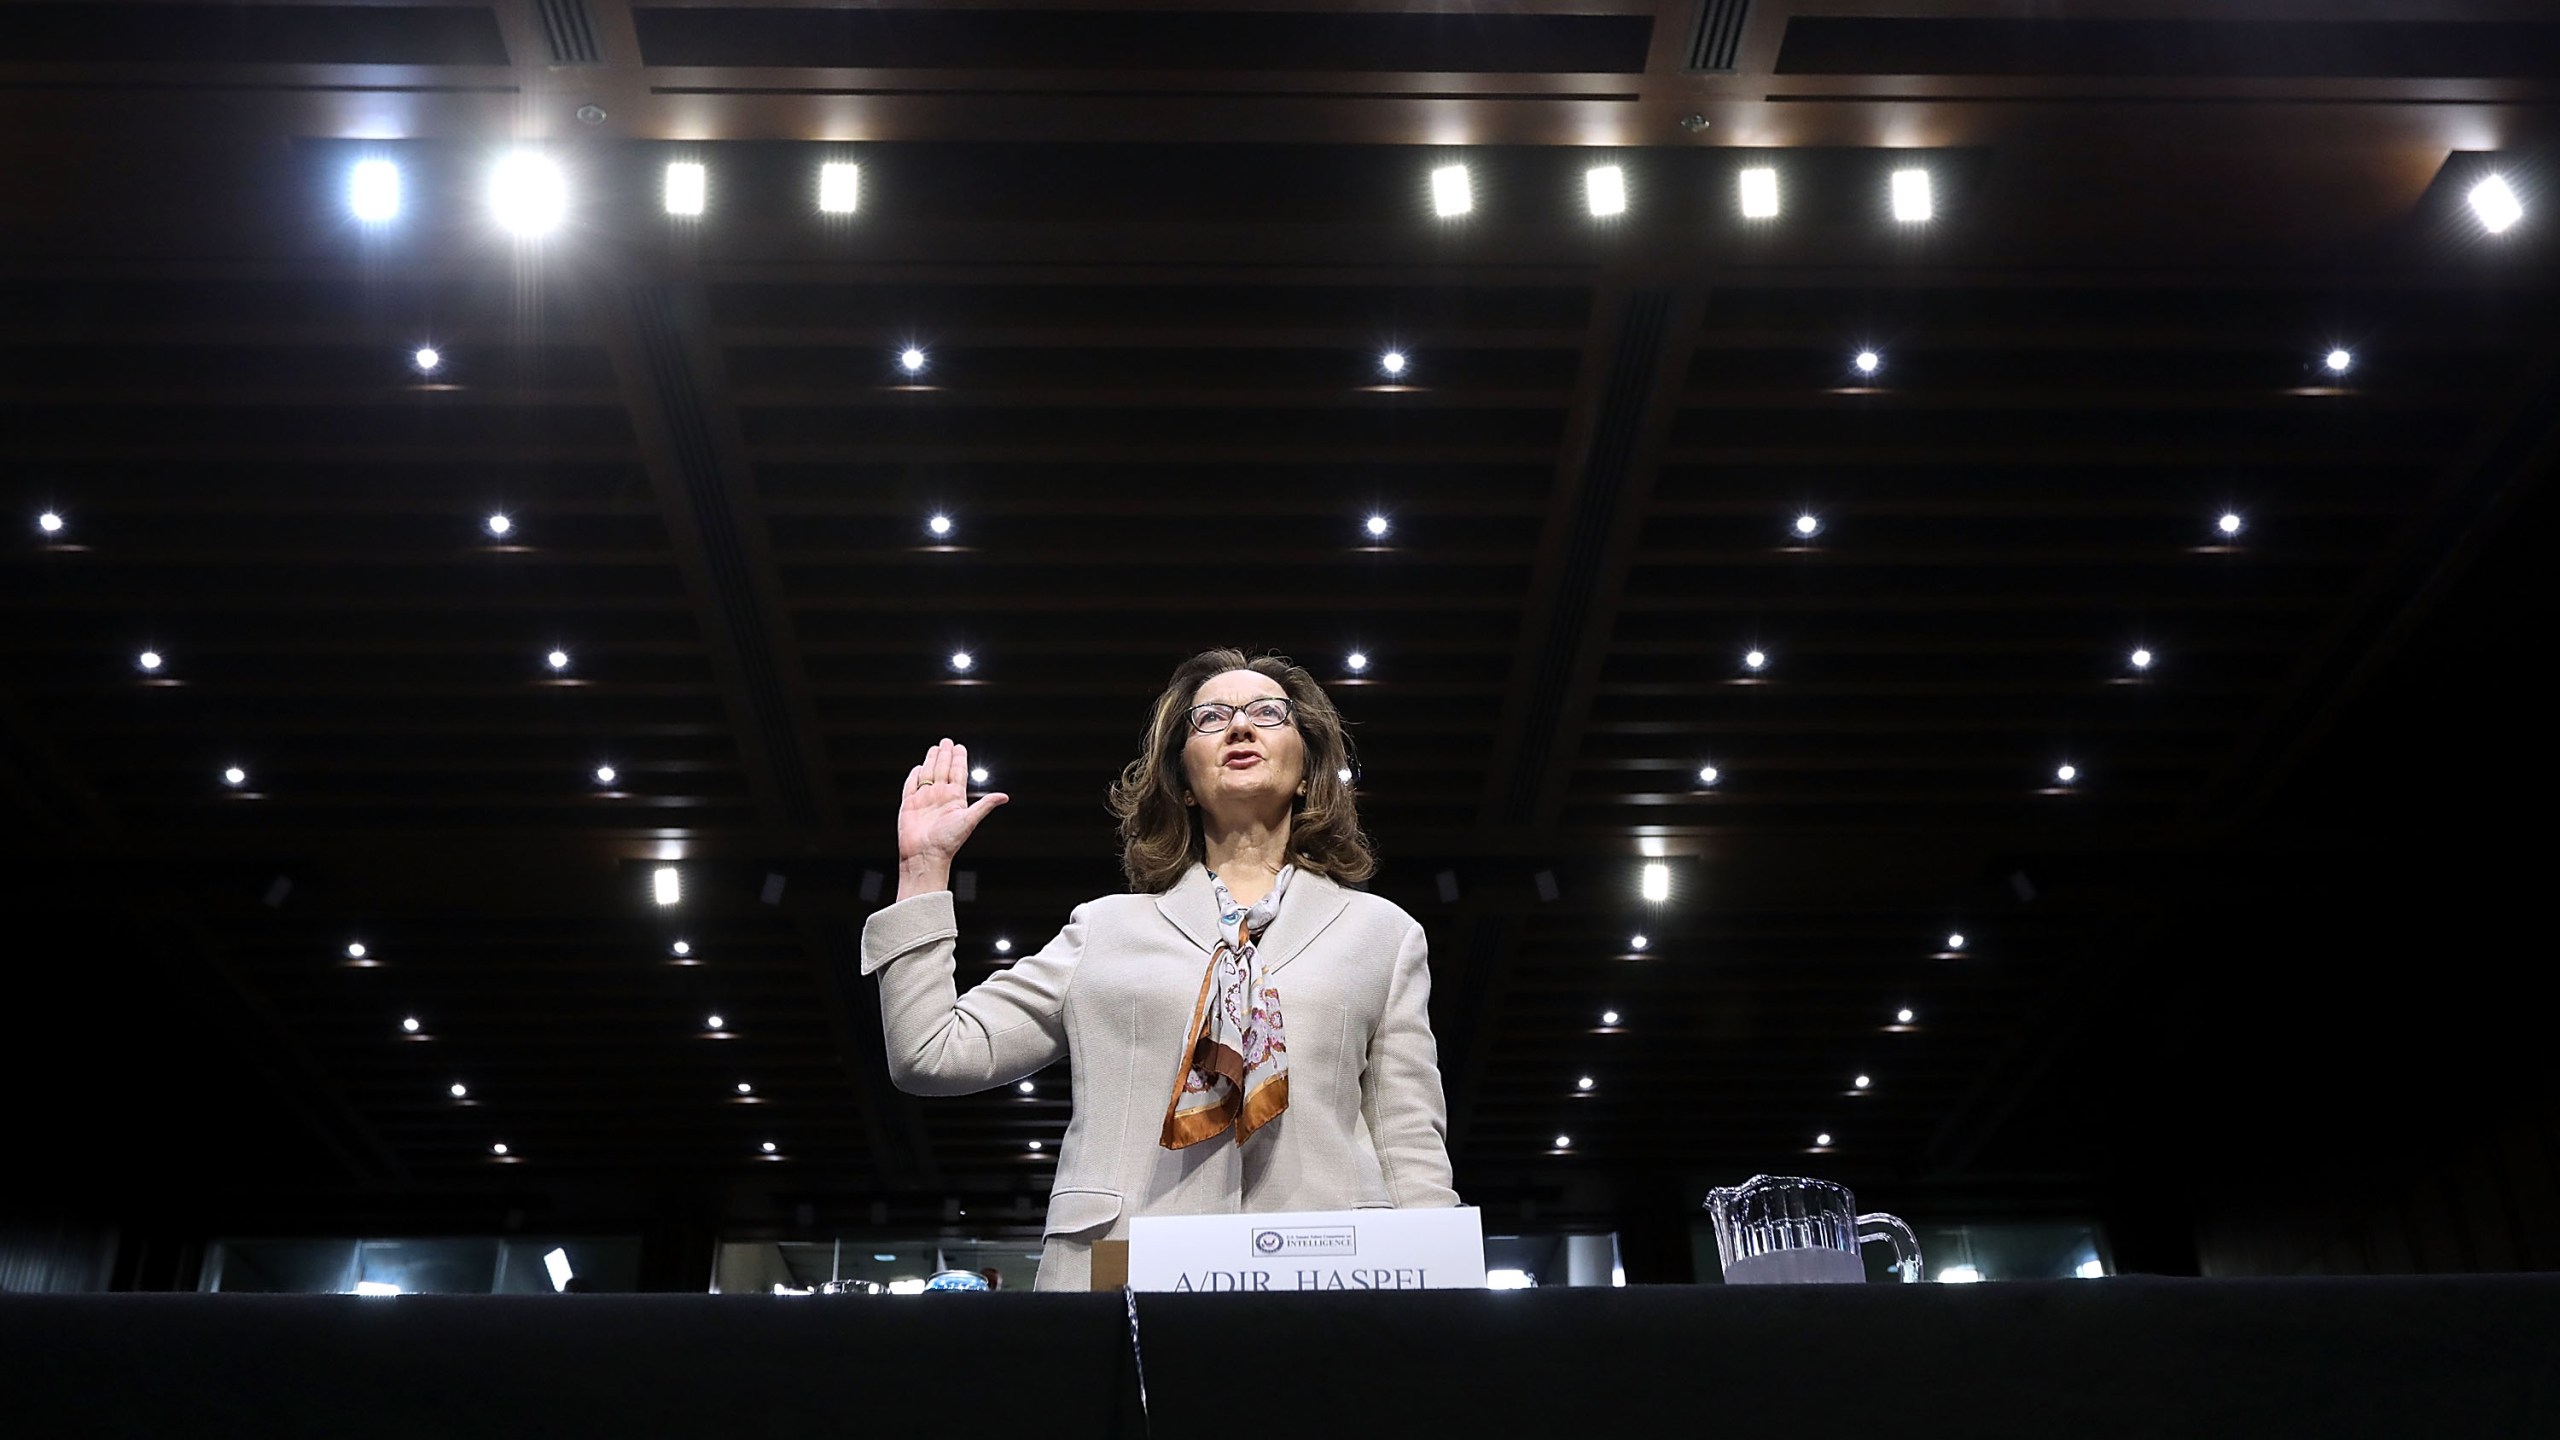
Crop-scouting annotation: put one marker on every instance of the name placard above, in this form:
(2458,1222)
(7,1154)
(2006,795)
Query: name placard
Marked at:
(1309,1250)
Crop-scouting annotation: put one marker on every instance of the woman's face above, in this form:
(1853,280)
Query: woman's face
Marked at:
(1239,770)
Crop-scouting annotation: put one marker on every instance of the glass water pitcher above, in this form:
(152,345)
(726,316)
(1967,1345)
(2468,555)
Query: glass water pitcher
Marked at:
(1785,1229)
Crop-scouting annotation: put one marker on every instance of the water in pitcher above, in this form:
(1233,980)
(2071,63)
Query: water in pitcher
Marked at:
(1815,1266)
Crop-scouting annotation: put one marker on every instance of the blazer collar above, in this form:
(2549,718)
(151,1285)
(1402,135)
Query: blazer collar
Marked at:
(1311,906)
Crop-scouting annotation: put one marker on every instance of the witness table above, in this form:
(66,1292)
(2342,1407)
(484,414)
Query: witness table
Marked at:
(2470,1356)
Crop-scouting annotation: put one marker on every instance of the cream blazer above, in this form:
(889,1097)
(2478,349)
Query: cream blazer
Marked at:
(1366,1127)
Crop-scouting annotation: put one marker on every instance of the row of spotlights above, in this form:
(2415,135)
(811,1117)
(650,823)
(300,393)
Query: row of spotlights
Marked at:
(529,196)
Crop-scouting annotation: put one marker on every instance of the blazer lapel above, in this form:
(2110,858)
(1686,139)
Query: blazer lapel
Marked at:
(1313,903)
(1192,908)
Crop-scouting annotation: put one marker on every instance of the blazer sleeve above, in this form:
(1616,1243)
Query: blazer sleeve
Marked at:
(941,1042)
(1400,1091)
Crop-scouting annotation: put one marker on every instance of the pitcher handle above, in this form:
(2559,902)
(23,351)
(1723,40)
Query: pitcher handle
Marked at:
(1906,1246)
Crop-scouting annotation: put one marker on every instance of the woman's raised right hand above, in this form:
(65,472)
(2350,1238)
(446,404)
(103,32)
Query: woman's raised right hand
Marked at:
(936,816)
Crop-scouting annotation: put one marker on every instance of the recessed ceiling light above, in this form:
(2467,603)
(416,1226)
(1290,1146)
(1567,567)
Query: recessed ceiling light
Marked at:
(1708,774)
(1608,1017)
(770,1147)
(373,191)
(1656,882)
(1955,939)
(426,359)
(1004,947)
(839,187)
(558,660)
(1760,193)
(715,1022)
(1343,774)
(1392,363)
(911,360)
(1026,1087)
(1604,188)
(2140,659)
(2230,522)
(1862,1082)
(498,1149)
(1355,662)
(667,885)
(939,525)
(605,774)
(1823,1139)
(963,661)
(1755,660)
(1902,1016)
(1564,1142)
(2066,772)
(1912,201)
(50,522)
(1637,942)
(746,1089)
(2495,202)
(148,660)
(680,948)
(1451,191)
(235,777)
(1867,362)
(356,950)
(409,1024)
(1808,525)
(688,186)
(457,1089)
(499,524)
(527,195)
(2339,361)
(1377,527)
(1582,1084)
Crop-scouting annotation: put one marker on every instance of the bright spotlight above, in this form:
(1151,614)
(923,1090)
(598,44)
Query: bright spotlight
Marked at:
(1377,527)
(1564,1142)
(1657,882)
(2065,774)
(2229,524)
(427,359)
(50,522)
(940,525)
(409,1025)
(688,185)
(1604,188)
(1823,1139)
(1637,942)
(1760,194)
(2140,659)
(458,1090)
(235,777)
(977,774)
(1960,1275)
(1868,362)
(1902,1016)
(911,360)
(2339,361)
(2495,202)
(1955,939)
(1451,194)
(556,1262)
(1343,774)
(667,885)
(373,191)
(1583,1084)
(355,950)
(1911,199)
(148,660)
(1608,1017)
(1708,774)
(605,774)
(1355,662)
(839,187)
(1808,526)
(1756,660)
(527,195)
(558,660)
(963,661)
(499,524)
(715,1022)
(1392,362)
(1862,1082)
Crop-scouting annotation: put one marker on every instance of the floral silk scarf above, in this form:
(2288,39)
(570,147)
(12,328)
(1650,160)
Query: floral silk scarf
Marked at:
(1235,1070)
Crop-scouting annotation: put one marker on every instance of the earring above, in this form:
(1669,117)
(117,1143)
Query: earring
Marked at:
(1302,787)
(1187,800)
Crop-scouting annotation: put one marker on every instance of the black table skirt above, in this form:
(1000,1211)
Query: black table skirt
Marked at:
(2469,1357)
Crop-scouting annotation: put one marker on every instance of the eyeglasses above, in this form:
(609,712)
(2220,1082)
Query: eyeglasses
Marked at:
(1269,714)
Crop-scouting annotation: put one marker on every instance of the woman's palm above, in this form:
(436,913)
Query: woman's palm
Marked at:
(935,814)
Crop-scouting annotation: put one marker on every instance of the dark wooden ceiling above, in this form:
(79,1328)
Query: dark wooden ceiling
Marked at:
(1154,254)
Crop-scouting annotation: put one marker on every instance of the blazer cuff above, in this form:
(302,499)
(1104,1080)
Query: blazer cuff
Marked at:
(915,923)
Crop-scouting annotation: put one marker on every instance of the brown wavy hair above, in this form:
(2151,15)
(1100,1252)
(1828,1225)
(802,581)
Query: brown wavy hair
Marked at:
(1160,836)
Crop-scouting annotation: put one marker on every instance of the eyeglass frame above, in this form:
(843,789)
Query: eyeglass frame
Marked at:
(1288,714)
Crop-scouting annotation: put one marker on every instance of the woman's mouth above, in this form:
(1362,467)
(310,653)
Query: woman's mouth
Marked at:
(1241,759)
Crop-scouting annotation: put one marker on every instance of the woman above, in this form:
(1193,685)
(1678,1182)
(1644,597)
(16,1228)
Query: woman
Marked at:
(1196,1090)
